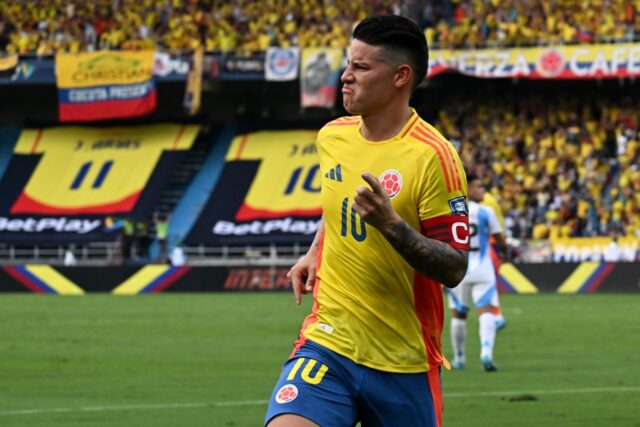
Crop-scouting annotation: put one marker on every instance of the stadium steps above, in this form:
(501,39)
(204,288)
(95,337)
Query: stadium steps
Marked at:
(8,138)
(182,175)
(178,183)
(199,190)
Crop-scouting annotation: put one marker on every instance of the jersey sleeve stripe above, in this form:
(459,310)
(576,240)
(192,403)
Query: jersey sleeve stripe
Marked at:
(410,126)
(455,165)
(446,147)
(429,135)
(440,157)
(345,123)
(458,168)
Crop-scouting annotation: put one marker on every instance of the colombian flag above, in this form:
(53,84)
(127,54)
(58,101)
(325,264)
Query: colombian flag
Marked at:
(105,85)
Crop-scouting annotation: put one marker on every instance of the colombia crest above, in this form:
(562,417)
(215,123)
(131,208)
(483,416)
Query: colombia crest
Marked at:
(391,181)
(287,393)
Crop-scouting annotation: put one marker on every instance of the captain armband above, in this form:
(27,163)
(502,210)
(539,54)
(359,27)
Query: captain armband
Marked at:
(450,229)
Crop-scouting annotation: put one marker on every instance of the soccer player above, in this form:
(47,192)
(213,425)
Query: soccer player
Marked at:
(479,283)
(490,201)
(394,229)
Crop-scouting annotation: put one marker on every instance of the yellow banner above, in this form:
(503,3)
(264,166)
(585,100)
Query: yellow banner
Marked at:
(103,68)
(555,62)
(94,170)
(288,179)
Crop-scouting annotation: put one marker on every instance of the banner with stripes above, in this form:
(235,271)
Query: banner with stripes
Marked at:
(582,61)
(72,184)
(528,279)
(105,85)
(268,191)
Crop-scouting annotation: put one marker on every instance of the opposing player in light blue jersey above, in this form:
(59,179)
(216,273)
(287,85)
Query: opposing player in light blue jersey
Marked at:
(479,283)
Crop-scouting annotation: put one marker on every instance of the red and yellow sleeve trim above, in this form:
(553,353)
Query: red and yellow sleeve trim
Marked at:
(345,121)
(444,151)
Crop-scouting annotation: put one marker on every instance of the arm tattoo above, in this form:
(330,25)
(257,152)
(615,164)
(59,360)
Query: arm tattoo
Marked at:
(431,258)
(316,239)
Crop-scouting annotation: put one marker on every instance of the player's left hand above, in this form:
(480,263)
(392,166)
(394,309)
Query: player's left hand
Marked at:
(373,204)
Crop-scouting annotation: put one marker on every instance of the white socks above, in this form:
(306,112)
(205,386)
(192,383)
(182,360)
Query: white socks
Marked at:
(487,334)
(458,337)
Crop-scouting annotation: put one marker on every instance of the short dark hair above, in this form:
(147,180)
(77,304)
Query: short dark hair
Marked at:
(397,34)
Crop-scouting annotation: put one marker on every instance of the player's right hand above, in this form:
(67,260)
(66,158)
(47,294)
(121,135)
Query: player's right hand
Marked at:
(302,277)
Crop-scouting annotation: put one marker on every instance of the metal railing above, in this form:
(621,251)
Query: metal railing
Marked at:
(110,253)
(90,254)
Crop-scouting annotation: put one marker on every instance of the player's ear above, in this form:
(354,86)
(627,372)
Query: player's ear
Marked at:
(403,75)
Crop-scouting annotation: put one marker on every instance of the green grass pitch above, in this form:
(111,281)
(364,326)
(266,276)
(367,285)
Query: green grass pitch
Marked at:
(212,360)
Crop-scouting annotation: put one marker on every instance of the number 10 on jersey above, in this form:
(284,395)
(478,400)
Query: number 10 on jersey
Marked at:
(360,235)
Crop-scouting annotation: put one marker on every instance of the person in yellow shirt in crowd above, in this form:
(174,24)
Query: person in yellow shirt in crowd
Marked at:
(557,175)
(471,23)
(523,22)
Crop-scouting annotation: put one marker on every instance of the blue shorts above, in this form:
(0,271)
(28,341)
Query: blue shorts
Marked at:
(331,390)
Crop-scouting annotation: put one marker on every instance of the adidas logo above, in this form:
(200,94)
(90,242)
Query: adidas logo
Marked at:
(335,173)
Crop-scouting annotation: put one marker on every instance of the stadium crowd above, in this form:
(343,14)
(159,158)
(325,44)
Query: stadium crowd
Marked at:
(49,26)
(568,168)
(477,23)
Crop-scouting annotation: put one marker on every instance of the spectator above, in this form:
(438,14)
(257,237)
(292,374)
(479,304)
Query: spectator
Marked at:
(161,222)
(612,252)
(69,257)
(127,239)
(71,26)
(565,168)
(143,239)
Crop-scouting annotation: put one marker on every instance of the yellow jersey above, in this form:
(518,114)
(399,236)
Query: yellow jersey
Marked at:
(370,305)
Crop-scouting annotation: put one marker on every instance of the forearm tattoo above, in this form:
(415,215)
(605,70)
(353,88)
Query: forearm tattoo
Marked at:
(316,240)
(429,257)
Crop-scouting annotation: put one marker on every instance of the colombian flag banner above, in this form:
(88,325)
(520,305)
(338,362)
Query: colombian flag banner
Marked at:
(105,85)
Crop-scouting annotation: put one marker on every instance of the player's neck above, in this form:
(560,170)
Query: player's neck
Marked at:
(384,124)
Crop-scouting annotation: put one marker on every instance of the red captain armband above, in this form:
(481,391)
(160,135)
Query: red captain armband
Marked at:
(450,229)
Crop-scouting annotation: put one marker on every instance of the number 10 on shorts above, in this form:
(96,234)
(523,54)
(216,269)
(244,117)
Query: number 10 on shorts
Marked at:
(305,375)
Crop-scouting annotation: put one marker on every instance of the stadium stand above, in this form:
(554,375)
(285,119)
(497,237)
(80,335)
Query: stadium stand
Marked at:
(473,23)
(563,165)
(69,26)
(48,27)
(561,159)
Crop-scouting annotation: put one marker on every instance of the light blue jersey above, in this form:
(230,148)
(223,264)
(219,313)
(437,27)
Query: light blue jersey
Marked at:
(479,284)
(482,224)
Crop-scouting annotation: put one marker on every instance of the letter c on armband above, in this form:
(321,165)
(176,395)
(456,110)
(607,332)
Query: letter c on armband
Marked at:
(456,234)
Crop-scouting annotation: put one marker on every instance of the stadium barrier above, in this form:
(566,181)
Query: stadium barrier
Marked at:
(564,278)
